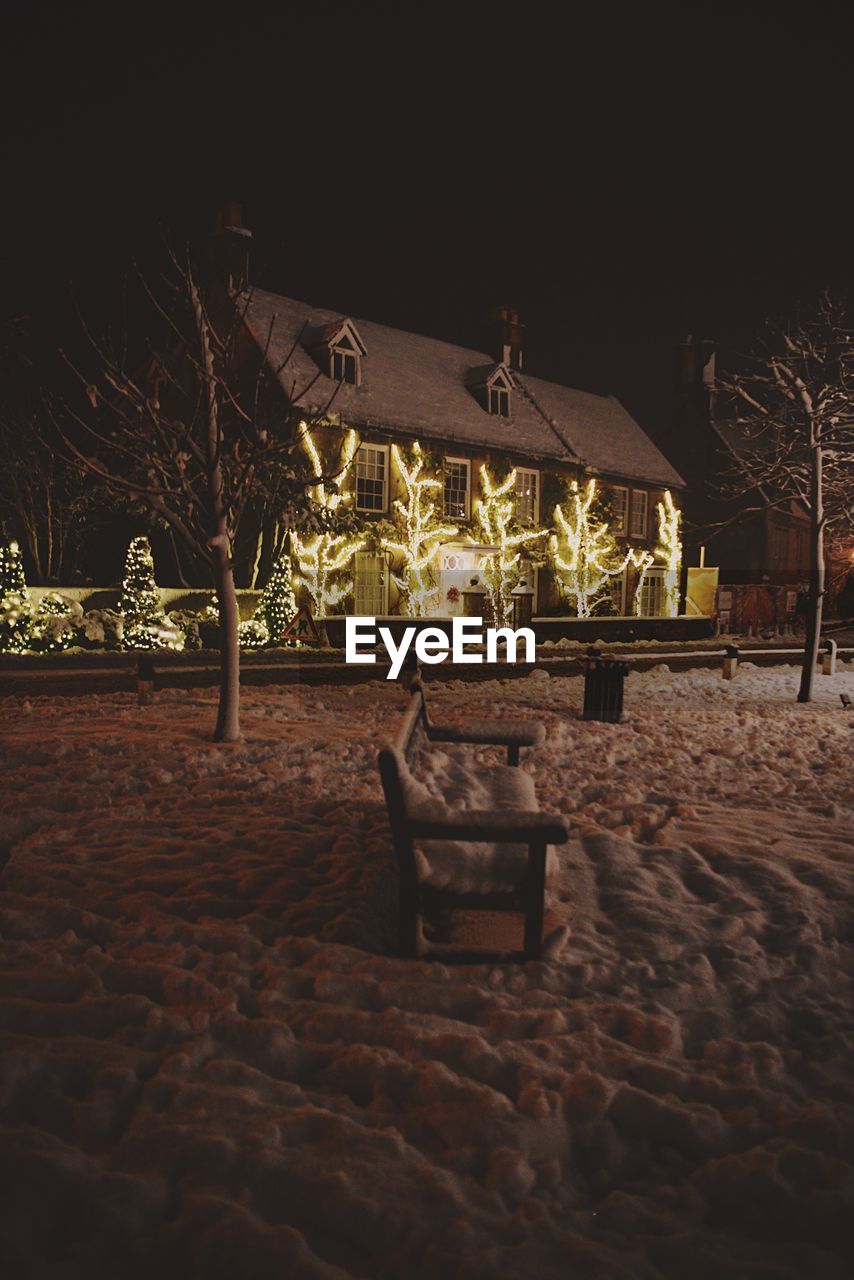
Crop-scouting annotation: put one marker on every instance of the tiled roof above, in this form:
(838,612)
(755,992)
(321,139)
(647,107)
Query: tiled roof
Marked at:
(422,387)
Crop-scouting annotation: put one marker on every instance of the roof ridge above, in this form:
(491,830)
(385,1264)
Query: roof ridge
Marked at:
(550,422)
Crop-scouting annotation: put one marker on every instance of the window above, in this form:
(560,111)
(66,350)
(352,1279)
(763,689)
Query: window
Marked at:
(779,547)
(345,367)
(638,521)
(617,590)
(499,401)
(652,594)
(372,477)
(370,586)
(620,497)
(526,497)
(457,488)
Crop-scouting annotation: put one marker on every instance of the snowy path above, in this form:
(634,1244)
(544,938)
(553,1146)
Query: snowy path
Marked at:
(211,1066)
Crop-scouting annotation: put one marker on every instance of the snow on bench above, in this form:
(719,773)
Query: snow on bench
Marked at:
(469,837)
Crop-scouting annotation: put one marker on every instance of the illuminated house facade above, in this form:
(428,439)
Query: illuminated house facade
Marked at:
(467,410)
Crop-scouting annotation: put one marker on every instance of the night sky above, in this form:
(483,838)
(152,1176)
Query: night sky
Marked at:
(622,177)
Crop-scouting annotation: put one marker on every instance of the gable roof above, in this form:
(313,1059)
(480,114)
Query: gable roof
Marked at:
(418,386)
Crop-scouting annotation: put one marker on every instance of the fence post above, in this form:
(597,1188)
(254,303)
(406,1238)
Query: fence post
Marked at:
(145,679)
(828,662)
(730,661)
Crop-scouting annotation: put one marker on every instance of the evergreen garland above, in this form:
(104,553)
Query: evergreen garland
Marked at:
(278,604)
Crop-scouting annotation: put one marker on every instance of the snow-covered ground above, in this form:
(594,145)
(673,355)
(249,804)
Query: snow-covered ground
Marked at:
(211,1064)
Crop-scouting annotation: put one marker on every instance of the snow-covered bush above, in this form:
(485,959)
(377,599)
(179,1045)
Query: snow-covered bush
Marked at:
(252,634)
(56,624)
(102,628)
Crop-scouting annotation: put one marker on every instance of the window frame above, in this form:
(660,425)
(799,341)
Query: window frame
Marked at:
(384,450)
(498,391)
(535,517)
(655,574)
(465,462)
(343,354)
(371,555)
(622,529)
(644,532)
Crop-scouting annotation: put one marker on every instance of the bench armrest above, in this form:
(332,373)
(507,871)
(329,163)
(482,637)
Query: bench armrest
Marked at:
(499,733)
(493,826)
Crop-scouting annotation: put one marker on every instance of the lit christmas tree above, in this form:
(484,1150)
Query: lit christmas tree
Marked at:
(144,624)
(16,611)
(277,604)
(496,526)
(419,537)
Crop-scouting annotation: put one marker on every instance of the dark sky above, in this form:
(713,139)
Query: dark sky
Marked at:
(622,174)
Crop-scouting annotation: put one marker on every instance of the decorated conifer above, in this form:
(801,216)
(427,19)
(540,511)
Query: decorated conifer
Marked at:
(277,604)
(16,612)
(145,625)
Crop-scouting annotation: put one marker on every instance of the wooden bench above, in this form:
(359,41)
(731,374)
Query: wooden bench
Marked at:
(489,856)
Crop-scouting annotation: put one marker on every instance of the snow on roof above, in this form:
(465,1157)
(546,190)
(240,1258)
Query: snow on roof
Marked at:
(421,386)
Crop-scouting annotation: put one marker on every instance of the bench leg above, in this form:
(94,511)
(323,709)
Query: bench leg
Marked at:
(513,753)
(534,904)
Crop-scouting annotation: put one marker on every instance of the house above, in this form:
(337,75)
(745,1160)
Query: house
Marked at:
(761,555)
(471,410)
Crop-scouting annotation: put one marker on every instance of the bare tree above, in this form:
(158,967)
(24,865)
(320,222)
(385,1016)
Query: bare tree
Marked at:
(43,496)
(795,399)
(195,437)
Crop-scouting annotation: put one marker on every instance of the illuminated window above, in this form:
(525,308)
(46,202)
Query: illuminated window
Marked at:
(457,471)
(526,496)
(372,477)
(370,587)
(639,513)
(621,508)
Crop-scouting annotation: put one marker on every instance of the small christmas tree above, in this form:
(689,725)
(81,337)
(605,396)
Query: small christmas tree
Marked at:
(277,604)
(16,611)
(139,603)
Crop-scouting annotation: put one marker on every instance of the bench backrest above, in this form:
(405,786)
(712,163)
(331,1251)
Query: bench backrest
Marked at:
(393,762)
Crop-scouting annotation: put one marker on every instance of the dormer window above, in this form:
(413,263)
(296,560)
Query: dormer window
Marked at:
(493,386)
(499,401)
(338,350)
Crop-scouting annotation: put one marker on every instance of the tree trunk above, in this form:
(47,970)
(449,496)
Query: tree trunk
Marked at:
(228,715)
(815,601)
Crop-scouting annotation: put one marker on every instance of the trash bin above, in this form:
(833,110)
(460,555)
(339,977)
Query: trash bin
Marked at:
(603,686)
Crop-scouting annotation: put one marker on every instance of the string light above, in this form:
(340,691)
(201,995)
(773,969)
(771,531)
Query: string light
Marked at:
(144,623)
(495,516)
(16,610)
(420,537)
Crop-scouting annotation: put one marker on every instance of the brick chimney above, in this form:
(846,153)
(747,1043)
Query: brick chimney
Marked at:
(508,336)
(228,249)
(696,371)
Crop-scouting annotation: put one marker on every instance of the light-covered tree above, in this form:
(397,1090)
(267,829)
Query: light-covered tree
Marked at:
(417,536)
(326,556)
(584,551)
(16,610)
(277,604)
(496,526)
(669,551)
(195,435)
(144,622)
